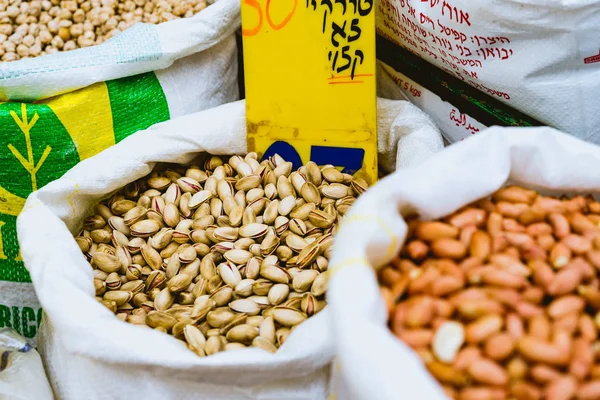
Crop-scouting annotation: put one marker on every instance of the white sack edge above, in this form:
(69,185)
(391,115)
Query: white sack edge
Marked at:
(63,279)
(120,56)
(369,356)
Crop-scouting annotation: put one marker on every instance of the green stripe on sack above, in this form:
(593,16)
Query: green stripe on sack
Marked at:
(137,102)
(35,148)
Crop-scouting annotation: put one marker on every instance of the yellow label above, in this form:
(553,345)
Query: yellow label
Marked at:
(87,116)
(310,81)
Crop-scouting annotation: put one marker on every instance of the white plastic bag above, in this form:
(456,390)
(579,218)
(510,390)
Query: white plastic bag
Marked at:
(22,375)
(371,362)
(68,106)
(91,354)
(540,57)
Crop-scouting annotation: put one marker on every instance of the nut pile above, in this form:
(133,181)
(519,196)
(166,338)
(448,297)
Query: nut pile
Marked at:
(501,299)
(221,257)
(30,28)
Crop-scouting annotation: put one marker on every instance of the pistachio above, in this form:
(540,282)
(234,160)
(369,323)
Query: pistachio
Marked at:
(226,234)
(118,224)
(238,256)
(101,236)
(278,293)
(163,300)
(304,280)
(189,185)
(134,287)
(202,306)
(120,297)
(269,244)
(309,304)
(267,329)
(222,296)
(100,287)
(245,306)
(302,211)
(155,319)
(252,268)
(200,198)
(213,345)
(180,283)
(194,337)
(219,318)
(274,273)
(319,285)
(145,228)
(253,230)
(106,262)
(282,335)
(288,316)
(286,205)
(242,333)
(310,193)
(188,255)
(229,273)
(313,173)
(285,188)
(120,207)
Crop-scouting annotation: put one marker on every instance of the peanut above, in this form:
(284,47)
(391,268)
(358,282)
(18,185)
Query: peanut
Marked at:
(504,297)
(429,231)
(449,248)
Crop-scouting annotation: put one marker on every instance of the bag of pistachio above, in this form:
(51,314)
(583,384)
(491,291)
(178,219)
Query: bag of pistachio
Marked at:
(90,353)
(62,108)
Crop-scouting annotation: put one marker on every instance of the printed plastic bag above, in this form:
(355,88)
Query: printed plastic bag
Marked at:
(22,375)
(539,57)
(65,107)
(370,362)
(89,353)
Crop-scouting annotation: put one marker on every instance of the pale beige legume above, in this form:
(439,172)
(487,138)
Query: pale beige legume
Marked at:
(39,27)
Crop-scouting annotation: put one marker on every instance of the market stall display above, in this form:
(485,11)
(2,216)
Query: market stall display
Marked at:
(490,288)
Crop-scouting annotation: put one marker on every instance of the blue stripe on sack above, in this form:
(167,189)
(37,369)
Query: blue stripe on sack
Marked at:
(138,43)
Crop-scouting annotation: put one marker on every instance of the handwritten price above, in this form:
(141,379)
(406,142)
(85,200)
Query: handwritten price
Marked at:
(276,26)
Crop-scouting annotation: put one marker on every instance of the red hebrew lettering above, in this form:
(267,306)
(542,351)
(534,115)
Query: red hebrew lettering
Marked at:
(454,14)
(411,11)
(592,59)
(470,74)
(425,19)
(464,18)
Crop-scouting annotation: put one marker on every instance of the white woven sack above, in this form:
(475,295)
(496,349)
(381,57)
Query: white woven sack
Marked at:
(88,353)
(371,363)
(540,57)
(207,78)
(22,375)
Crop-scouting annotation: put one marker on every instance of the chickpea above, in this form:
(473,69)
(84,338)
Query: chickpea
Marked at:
(22,50)
(30,28)
(29,40)
(9,56)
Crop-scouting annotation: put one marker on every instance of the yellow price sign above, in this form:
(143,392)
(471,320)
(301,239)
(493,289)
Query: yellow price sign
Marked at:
(310,82)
